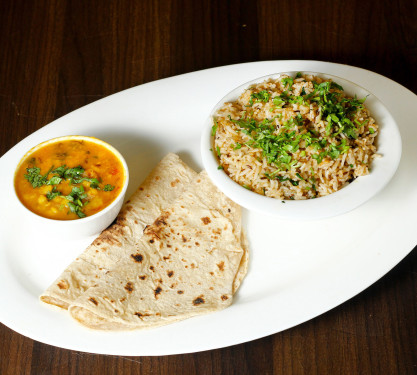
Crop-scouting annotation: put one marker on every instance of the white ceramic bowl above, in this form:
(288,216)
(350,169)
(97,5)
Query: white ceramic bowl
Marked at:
(351,196)
(87,226)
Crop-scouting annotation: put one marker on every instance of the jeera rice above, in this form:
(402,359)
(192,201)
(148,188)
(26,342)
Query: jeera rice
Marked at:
(295,138)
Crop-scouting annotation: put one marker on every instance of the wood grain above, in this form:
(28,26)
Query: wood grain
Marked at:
(57,56)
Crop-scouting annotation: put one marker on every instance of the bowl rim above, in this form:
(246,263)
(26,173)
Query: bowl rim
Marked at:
(337,203)
(86,219)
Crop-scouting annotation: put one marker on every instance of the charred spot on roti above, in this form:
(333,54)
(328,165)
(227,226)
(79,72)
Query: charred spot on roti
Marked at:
(143,277)
(197,244)
(116,311)
(229,210)
(161,221)
(140,315)
(206,220)
(152,268)
(224,297)
(110,235)
(141,188)
(166,258)
(221,266)
(157,178)
(129,287)
(93,300)
(217,231)
(157,229)
(63,284)
(157,291)
(137,257)
(151,241)
(192,265)
(170,273)
(199,300)
(180,292)
(184,239)
(122,299)
(212,273)
(175,182)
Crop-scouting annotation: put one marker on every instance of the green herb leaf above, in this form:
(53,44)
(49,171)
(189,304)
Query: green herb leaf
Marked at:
(53,194)
(55,180)
(214,127)
(261,96)
(237,146)
(287,82)
(108,187)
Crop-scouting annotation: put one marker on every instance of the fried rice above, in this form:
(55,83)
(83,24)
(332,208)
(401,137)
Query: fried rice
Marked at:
(295,138)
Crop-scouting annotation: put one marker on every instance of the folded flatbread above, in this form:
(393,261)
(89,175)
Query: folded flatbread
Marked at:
(190,261)
(165,183)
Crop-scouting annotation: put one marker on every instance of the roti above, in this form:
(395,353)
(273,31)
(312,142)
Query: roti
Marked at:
(189,262)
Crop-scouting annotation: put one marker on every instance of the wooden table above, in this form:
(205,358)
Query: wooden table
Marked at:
(57,56)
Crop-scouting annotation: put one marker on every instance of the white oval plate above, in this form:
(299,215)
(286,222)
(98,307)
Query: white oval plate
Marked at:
(296,273)
(340,202)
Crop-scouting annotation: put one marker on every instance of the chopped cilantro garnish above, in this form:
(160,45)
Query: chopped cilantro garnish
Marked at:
(35,178)
(261,96)
(108,187)
(278,101)
(55,180)
(287,82)
(214,127)
(77,198)
(53,194)
(237,146)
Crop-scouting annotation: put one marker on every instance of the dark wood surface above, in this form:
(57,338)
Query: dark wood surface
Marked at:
(57,56)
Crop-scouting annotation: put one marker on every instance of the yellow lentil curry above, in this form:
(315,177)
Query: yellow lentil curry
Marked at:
(69,179)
